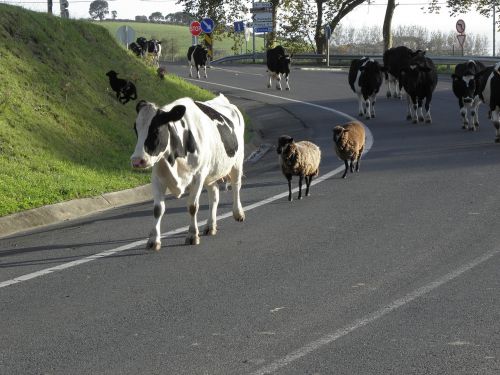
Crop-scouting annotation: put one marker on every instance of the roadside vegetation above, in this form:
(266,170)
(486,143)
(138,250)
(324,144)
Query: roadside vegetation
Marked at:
(63,134)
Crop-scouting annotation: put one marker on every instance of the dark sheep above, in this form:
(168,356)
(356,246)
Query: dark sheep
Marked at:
(125,90)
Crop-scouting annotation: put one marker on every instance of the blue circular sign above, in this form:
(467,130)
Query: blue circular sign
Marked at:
(207,25)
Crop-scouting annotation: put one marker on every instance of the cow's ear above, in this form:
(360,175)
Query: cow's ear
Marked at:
(140,105)
(454,77)
(176,113)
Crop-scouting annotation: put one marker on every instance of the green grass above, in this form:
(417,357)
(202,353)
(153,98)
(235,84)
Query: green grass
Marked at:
(63,134)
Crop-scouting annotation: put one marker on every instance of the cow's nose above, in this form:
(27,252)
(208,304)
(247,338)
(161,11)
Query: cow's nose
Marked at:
(467,100)
(138,163)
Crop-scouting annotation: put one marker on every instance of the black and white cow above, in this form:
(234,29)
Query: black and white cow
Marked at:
(395,60)
(197,56)
(190,145)
(135,48)
(365,79)
(466,89)
(419,81)
(154,48)
(143,43)
(489,93)
(278,64)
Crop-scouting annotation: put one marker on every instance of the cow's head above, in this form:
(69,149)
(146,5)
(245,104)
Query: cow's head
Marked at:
(156,135)
(464,86)
(373,73)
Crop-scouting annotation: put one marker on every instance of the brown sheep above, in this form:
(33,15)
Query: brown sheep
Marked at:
(298,159)
(349,143)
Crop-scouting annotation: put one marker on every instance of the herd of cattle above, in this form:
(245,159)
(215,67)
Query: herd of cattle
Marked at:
(472,84)
(191,145)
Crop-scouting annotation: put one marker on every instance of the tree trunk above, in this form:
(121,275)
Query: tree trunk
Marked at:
(49,6)
(271,37)
(319,39)
(386,29)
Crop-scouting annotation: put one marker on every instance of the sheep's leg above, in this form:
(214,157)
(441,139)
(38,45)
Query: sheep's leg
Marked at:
(301,177)
(159,187)
(289,179)
(193,203)
(308,184)
(213,201)
(346,168)
(358,161)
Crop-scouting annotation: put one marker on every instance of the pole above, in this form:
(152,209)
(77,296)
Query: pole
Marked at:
(494,28)
(253,36)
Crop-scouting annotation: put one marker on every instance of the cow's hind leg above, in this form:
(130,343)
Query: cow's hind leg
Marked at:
(428,118)
(278,81)
(159,187)
(191,70)
(475,113)
(270,81)
(193,204)
(495,117)
(287,83)
(205,70)
(213,202)
(235,177)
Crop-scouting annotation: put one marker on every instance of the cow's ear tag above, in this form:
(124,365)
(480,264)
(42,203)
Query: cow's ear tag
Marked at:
(177,113)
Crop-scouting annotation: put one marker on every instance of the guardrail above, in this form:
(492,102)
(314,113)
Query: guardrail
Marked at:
(340,59)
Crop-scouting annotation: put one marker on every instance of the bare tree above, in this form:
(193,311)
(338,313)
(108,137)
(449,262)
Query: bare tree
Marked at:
(387,28)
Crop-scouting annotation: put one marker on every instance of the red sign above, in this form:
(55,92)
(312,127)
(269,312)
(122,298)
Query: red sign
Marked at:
(195,28)
(460,26)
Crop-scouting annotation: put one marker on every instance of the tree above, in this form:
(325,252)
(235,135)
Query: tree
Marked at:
(387,27)
(114,14)
(156,17)
(98,9)
(49,6)
(179,18)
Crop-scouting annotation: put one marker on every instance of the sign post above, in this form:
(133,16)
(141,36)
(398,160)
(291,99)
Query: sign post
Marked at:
(195,29)
(460,26)
(207,26)
(262,19)
(328,34)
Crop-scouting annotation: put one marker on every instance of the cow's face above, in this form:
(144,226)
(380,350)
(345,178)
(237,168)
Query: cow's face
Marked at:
(154,133)
(464,86)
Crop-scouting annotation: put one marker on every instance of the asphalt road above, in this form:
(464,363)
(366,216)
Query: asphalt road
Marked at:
(394,270)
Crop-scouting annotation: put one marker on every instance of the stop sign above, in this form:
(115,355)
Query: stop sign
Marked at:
(195,28)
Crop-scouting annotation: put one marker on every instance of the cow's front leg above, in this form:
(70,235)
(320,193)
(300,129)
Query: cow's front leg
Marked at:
(361,109)
(205,70)
(420,111)
(495,117)
(278,81)
(428,118)
(191,70)
(235,176)
(159,187)
(287,83)
(475,113)
(193,205)
(368,108)
(270,81)
(213,202)
(465,120)
(197,71)
(373,101)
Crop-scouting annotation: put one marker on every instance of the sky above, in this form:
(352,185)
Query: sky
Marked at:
(408,12)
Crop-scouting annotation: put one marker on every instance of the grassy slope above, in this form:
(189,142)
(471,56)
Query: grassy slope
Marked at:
(63,134)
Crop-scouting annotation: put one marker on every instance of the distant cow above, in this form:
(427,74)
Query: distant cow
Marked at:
(135,48)
(154,48)
(466,89)
(489,93)
(190,145)
(395,60)
(143,43)
(419,81)
(365,79)
(278,64)
(197,56)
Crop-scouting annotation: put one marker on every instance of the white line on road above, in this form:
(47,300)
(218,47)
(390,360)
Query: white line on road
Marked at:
(370,318)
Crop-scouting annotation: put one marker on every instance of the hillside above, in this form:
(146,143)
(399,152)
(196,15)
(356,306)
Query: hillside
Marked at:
(63,134)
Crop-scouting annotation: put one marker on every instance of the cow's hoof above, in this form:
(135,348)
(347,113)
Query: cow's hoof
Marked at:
(288,89)
(239,216)
(388,95)
(408,117)
(421,119)
(476,126)
(210,231)
(361,114)
(290,199)
(153,245)
(472,129)
(465,127)
(268,86)
(192,240)
(497,140)
(428,121)
(415,121)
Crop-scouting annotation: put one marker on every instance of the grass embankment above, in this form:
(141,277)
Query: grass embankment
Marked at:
(63,134)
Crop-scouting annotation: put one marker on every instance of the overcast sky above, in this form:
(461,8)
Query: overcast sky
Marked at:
(408,12)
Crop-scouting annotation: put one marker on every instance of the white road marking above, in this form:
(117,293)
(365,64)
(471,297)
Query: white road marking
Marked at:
(370,318)
(107,253)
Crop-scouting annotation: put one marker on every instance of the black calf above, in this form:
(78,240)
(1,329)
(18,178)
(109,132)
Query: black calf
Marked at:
(125,90)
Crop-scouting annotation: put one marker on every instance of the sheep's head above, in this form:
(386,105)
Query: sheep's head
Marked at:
(337,133)
(282,142)
(289,154)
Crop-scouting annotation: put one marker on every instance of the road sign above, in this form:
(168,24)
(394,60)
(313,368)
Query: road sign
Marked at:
(263,17)
(195,28)
(328,32)
(259,25)
(261,7)
(207,25)
(461,39)
(268,29)
(460,26)
(239,26)
(125,34)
